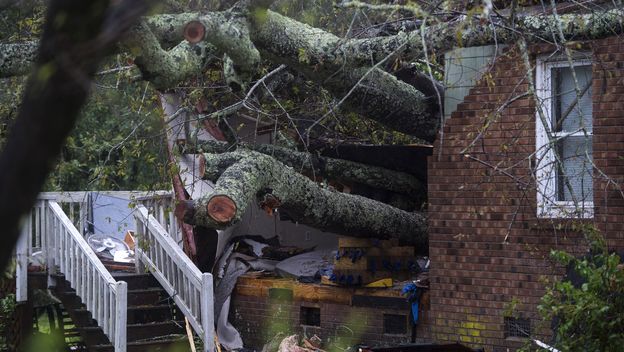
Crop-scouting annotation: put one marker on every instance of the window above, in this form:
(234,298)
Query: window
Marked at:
(517,327)
(564,139)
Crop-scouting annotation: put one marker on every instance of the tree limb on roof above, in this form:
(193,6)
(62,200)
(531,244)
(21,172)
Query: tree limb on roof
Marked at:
(311,164)
(245,176)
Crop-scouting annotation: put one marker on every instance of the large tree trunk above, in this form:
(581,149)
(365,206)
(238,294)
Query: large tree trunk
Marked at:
(316,165)
(251,176)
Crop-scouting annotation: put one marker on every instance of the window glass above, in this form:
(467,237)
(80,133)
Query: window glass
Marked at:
(574,176)
(570,113)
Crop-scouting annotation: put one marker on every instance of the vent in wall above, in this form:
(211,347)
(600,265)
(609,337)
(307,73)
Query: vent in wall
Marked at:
(517,327)
(310,316)
(395,324)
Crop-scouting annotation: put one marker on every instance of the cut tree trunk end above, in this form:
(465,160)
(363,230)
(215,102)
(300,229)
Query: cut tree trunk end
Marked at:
(221,209)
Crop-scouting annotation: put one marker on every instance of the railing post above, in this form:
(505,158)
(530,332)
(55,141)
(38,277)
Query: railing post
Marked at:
(21,271)
(138,235)
(121,311)
(207,312)
(48,234)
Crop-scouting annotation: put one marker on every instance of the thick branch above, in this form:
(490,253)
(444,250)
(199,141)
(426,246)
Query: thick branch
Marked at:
(163,68)
(445,36)
(370,92)
(169,28)
(255,176)
(344,170)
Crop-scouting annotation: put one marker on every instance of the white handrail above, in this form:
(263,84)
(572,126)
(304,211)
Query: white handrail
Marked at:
(190,288)
(74,204)
(49,229)
(104,297)
(161,207)
(30,246)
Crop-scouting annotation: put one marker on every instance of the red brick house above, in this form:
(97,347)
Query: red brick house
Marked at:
(502,195)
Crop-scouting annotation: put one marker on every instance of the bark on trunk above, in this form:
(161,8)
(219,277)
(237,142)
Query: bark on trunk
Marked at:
(252,176)
(343,170)
(323,51)
(17,59)
(344,66)
(367,90)
(442,37)
(165,69)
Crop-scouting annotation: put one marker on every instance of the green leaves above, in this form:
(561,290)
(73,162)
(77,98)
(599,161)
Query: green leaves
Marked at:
(118,142)
(590,315)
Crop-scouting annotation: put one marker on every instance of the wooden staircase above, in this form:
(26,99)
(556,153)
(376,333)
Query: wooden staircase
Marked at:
(115,311)
(154,323)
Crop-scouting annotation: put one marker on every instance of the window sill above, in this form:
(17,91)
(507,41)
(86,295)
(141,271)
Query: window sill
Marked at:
(566,210)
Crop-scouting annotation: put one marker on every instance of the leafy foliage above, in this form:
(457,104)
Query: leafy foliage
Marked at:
(117,144)
(7,307)
(589,316)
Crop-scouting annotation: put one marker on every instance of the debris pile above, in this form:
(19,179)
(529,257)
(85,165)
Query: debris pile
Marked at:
(114,253)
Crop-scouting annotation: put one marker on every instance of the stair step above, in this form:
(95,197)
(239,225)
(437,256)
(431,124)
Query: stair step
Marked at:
(140,332)
(137,281)
(94,335)
(136,314)
(70,300)
(82,317)
(154,313)
(145,296)
(171,344)
(151,317)
(136,297)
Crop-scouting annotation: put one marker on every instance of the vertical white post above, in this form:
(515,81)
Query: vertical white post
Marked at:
(21,271)
(49,237)
(83,216)
(207,312)
(138,236)
(121,309)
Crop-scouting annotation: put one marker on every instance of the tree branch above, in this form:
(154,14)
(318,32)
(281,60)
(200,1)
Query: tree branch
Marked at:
(252,176)
(344,170)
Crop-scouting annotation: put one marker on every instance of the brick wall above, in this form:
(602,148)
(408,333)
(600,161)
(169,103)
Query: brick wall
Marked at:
(263,308)
(489,252)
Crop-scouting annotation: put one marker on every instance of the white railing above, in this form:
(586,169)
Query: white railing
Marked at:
(74,204)
(190,288)
(50,230)
(52,238)
(161,206)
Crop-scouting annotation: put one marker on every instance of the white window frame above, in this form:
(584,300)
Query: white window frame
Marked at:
(547,205)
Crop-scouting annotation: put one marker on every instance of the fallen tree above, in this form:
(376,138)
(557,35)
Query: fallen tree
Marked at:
(313,165)
(353,70)
(348,68)
(242,177)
